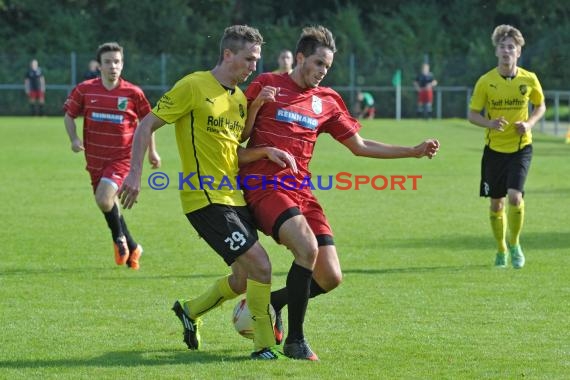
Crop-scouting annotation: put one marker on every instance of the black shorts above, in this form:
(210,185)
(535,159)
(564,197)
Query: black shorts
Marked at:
(503,171)
(229,230)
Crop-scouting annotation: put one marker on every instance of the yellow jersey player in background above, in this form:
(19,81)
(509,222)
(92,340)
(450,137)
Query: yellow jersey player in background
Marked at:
(505,93)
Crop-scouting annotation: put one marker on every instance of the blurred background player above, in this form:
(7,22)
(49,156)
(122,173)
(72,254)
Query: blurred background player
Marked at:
(505,92)
(111,108)
(92,70)
(424,84)
(35,87)
(365,106)
(285,62)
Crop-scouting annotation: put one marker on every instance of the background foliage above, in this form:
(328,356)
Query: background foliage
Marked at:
(454,35)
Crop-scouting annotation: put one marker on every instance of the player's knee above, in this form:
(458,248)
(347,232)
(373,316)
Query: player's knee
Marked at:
(104,203)
(305,249)
(306,254)
(515,199)
(497,204)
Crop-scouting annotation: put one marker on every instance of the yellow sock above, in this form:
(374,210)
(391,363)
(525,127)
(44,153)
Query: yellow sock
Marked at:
(499,227)
(219,293)
(258,298)
(515,216)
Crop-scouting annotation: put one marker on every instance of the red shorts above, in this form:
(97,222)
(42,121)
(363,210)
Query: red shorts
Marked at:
(425,95)
(370,112)
(268,205)
(38,95)
(116,171)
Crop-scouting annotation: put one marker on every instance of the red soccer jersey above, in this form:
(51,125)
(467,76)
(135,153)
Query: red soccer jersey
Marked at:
(110,119)
(294,121)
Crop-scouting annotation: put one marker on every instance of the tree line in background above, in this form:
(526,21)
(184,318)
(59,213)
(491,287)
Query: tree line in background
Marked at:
(454,35)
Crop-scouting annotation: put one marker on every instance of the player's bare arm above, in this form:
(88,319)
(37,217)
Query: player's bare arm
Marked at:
(267,94)
(375,149)
(71,128)
(153,156)
(130,189)
(280,157)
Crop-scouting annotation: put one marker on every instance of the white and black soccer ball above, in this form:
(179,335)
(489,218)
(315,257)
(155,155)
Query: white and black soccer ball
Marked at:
(241,318)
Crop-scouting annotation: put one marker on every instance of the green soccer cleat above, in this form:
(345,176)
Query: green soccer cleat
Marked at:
(266,354)
(501,260)
(517,256)
(191,333)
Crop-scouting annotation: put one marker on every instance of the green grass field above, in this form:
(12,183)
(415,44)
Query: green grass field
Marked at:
(420,298)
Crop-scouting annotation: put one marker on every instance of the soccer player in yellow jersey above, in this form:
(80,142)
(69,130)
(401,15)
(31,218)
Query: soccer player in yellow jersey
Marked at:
(505,93)
(209,113)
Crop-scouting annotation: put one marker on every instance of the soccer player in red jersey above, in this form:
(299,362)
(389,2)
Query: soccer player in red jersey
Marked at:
(289,111)
(111,108)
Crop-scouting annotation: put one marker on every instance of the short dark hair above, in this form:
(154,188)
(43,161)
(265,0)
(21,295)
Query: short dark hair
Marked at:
(107,47)
(314,37)
(236,36)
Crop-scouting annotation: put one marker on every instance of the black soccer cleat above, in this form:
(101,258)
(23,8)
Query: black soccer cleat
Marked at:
(191,333)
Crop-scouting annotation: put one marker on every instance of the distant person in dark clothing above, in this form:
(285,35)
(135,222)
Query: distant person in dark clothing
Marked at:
(92,71)
(424,84)
(35,86)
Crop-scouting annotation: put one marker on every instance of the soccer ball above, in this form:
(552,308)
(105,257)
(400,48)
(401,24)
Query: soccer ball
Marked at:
(242,321)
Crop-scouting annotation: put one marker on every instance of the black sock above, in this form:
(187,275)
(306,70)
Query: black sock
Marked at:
(131,243)
(114,222)
(315,289)
(280,298)
(298,284)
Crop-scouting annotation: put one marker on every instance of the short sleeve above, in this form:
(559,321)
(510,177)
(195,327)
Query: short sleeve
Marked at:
(177,102)
(74,103)
(479,97)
